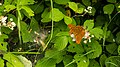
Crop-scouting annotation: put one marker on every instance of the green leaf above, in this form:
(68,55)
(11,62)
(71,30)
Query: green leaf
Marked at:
(46,62)
(61,42)
(26,36)
(119,49)
(37,8)
(62,1)
(118,37)
(55,54)
(108,9)
(89,24)
(80,10)
(75,48)
(25,2)
(28,10)
(62,34)
(93,46)
(97,32)
(112,48)
(46,15)
(102,60)
(82,61)
(67,20)
(3,46)
(112,1)
(6,30)
(25,61)
(12,59)
(113,61)
(1,62)
(73,6)
(57,15)
(9,7)
(67,59)
(86,2)
(93,63)
(2,37)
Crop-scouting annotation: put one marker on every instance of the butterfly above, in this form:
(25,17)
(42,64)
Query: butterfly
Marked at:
(78,32)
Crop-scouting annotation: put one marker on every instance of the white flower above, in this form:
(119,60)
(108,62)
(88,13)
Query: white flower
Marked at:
(0,33)
(73,39)
(85,41)
(3,20)
(92,36)
(89,8)
(87,34)
(89,39)
(11,19)
(13,24)
(72,35)
(0,3)
(113,40)
(86,10)
(36,33)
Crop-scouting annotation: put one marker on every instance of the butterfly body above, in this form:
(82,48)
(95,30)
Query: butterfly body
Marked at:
(78,32)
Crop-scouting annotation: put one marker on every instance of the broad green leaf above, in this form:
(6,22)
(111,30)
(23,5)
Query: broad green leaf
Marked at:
(94,63)
(28,10)
(73,6)
(86,2)
(75,48)
(37,8)
(67,20)
(118,37)
(95,47)
(3,46)
(25,2)
(9,7)
(1,62)
(119,49)
(62,1)
(112,48)
(9,64)
(2,37)
(57,15)
(62,34)
(46,62)
(61,42)
(67,59)
(58,55)
(108,9)
(12,59)
(112,1)
(89,24)
(34,25)
(97,32)
(113,61)
(25,61)
(6,30)
(82,61)
(26,36)
(102,60)
(80,10)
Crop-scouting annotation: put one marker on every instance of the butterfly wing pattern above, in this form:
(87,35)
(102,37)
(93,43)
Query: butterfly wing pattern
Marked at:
(78,32)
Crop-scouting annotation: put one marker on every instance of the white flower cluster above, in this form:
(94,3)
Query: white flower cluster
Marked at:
(9,24)
(88,10)
(87,37)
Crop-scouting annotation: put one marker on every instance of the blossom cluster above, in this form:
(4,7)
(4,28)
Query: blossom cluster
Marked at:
(3,22)
(88,10)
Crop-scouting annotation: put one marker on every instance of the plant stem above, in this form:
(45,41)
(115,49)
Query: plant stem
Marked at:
(52,27)
(25,52)
(80,56)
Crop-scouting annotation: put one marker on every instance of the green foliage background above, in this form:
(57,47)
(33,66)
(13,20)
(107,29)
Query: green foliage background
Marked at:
(18,49)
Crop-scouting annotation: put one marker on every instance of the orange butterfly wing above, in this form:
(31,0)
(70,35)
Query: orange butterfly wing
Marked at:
(78,31)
